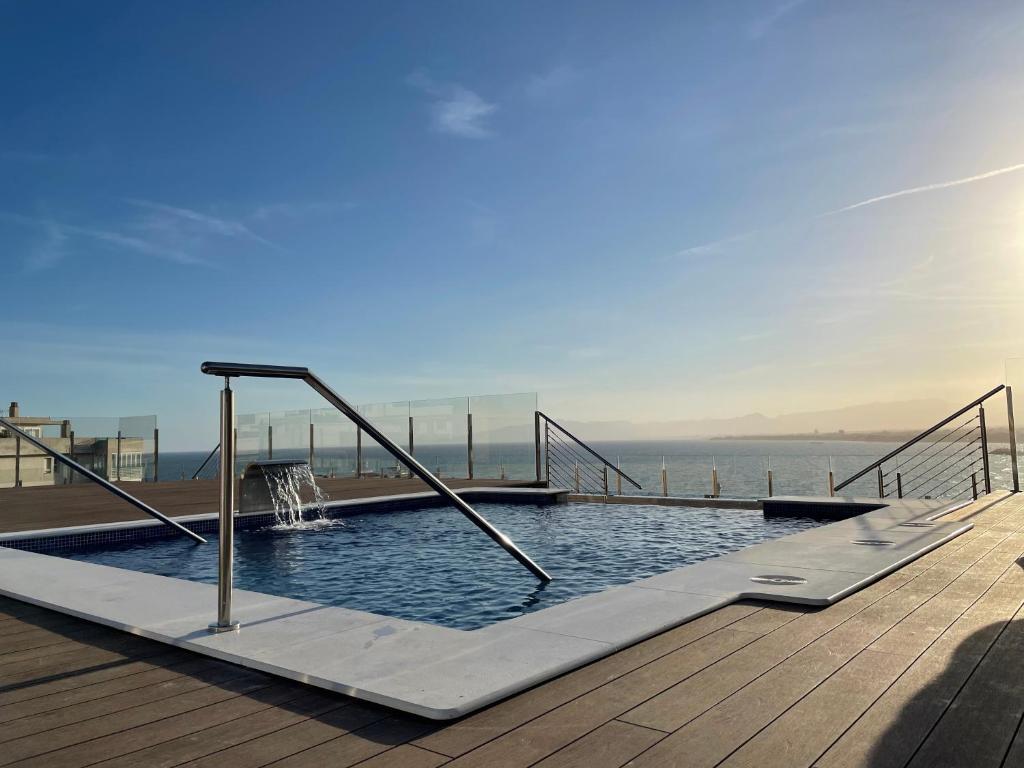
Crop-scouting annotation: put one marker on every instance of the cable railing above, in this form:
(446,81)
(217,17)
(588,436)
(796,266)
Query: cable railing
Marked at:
(944,461)
(571,463)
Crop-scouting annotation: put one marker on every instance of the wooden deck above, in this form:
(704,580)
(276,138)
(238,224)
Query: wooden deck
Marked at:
(923,668)
(28,509)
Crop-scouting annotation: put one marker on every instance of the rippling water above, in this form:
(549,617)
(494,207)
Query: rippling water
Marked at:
(434,565)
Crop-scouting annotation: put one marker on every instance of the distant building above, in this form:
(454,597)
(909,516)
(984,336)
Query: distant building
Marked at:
(22,464)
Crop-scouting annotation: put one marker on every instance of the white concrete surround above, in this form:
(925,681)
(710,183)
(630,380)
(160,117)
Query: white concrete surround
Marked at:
(442,673)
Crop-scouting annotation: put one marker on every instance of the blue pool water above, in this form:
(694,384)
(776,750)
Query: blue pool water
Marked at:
(434,565)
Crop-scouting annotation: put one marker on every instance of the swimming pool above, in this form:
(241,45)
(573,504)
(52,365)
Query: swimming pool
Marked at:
(433,565)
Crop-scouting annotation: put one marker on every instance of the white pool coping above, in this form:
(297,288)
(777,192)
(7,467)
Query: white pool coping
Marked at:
(443,673)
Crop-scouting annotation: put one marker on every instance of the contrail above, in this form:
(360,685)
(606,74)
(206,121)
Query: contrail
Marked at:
(929,188)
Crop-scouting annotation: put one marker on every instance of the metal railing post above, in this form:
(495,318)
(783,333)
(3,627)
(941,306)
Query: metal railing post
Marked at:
(831,479)
(984,449)
(469,444)
(974,485)
(1013,439)
(536,442)
(156,454)
(715,488)
(359,452)
(664,478)
(119,454)
(618,477)
(312,455)
(71,454)
(576,473)
(412,439)
(604,479)
(881,483)
(899,485)
(771,479)
(226,544)
(17,461)
(547,454)
(270,441)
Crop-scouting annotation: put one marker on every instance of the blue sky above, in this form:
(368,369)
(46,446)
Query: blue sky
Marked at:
(643,211)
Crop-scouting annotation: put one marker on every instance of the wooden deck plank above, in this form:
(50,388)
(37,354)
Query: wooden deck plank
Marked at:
(360,745)
(304,705)
(87,731)
(613,744)
(294,739)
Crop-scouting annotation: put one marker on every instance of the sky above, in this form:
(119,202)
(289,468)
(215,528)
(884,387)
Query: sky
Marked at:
(640,211)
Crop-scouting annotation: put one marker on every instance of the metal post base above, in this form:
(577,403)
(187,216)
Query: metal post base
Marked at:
(234,626)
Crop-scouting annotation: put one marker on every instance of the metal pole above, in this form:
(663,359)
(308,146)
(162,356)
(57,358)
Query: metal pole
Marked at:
(604,479)
(270,441)
(547,454)
(974,485)
(71,453)
(899,485)
(618,478)
(831,479)
(984,449)
(119,454)
(881,484)
(771,483)
(576,472)
(227,511)
(17,461)
(156,454)
(359,452)
(714,478)
(536,442)
(312,455)
(664,478)
(469,444)
(412,444)
(1013,439)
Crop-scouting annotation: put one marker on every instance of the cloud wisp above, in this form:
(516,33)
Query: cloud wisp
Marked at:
(715,247)
(764,25)
(201,221)
(928,188)
(58,239)
(454,109)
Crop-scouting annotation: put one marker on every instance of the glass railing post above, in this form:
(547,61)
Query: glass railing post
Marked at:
(1013,439)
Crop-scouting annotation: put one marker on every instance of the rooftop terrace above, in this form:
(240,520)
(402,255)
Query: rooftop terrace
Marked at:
(917,669)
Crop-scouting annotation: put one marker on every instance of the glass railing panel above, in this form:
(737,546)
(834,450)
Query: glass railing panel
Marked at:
(393,420)
(439,435)
(334,440)
(503,436)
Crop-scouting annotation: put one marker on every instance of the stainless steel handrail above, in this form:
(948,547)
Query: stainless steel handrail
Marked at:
(288,372)
(102,482)
(935,427)
(195,475)
(588,449)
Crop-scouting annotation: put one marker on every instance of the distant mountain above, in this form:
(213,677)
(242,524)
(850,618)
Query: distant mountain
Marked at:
(871,417)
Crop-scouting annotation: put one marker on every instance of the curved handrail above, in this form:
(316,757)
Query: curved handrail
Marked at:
(295,372)
(102,482)
(588,449)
